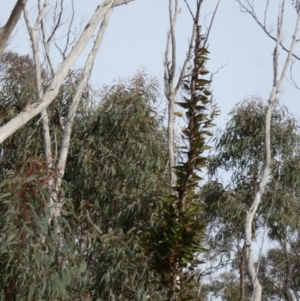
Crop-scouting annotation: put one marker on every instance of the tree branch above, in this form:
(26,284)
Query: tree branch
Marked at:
(263,26)
(7,29)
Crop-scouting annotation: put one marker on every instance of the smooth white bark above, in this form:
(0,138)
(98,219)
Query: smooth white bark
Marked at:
(33,31)
(172,88)
(7,29)
(277,84)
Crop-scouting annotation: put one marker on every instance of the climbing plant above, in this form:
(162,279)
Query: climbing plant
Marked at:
(174,240)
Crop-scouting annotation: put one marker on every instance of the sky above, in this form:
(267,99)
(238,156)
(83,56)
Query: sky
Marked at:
(136,37)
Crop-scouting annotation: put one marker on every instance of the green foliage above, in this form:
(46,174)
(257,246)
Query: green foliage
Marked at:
(18,84)
(278,274)
(116,174)
(177,231)
(224,287)
(38,261)
(276,270)
(241,144)
(240,150)
(117,167)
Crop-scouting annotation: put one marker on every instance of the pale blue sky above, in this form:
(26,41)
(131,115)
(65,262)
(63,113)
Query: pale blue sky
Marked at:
(136,38)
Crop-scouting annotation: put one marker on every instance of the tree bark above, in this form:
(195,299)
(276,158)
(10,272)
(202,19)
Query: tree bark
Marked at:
(7,29)
(277,83)
(38,75)
(242,274)
(287,280)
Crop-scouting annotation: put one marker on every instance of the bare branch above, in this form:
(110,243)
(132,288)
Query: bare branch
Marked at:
(38,75)
(46,45)
(278,40)
(172,17)
(69,29)
(187,59)
(265,13)
(211,22)
(191,12)
(170,92)
(250,10)
(57,22)
(291,51)
(291,80)
(41,14)
(218,70)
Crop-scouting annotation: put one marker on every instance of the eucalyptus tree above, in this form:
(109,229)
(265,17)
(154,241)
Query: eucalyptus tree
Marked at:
(280,274)
(118,170)
(273,275)
(240,152)
(279,76)
(31,263)
(18,84)
(37,262)
(116,173)
(225,287)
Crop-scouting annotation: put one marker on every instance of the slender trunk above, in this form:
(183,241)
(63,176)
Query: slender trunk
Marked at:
(242,274)
(173,294)
(200,287)
(6,30)
(287,278)
(171,138)
(277,83)
(38,76)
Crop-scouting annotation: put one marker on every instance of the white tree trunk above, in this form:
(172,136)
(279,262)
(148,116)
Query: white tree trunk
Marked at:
(38,76)
(7,29)
(253,273)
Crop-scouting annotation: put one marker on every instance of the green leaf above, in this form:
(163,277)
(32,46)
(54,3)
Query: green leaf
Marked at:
(179,114)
